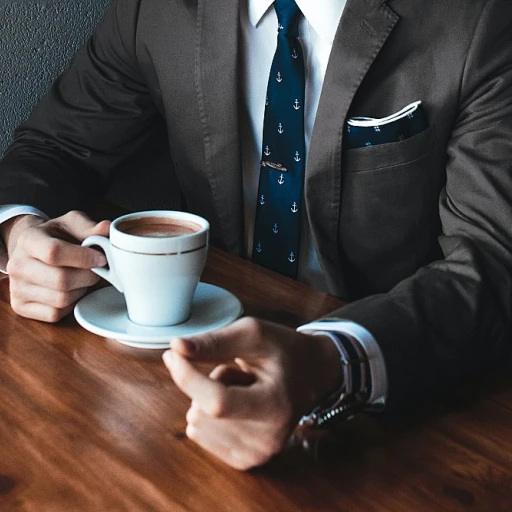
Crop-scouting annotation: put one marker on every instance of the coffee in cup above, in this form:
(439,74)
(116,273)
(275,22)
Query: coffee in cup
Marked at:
(158,227)
(156,259)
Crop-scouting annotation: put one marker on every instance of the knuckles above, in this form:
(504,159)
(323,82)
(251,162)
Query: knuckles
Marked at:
(23,239)
(193,416)
(251,324)
(16,304)
(218,407)
(61,300)
(50,315)
(53,315)
(62,280)
(248,460)
(19,268)
(273,447)
(253,452)
(191,432)
(254,328)
(259,458)
(51,253)
(74,216)
(15,267)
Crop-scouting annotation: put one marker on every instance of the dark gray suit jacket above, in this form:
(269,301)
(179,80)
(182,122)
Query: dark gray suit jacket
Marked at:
(416,233)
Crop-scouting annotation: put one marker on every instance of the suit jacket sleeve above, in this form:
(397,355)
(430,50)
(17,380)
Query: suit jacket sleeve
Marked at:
(93,117)
(453,316)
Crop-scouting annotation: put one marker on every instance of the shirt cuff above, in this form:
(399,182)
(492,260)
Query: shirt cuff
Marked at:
(378,375)
(7,212)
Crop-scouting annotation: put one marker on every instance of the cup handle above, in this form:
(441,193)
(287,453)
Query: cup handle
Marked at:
(110,273)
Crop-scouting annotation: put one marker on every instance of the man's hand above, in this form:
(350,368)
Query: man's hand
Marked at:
(269,377)
(48,269)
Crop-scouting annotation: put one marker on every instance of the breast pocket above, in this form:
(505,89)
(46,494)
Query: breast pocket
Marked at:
(391,154)
(389,218)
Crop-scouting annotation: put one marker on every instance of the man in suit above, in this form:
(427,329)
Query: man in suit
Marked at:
(415,232)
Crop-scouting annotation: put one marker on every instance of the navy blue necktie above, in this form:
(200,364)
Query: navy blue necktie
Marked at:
(277,224)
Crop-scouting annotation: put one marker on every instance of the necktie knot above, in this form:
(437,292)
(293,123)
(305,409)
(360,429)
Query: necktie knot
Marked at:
(288,15)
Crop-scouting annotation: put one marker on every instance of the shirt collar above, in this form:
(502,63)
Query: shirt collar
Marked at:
(322,15)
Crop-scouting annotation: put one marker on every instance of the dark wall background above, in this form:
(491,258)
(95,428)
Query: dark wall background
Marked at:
(37,40)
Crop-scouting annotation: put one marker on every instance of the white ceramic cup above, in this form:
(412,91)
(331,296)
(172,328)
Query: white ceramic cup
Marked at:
(157,269)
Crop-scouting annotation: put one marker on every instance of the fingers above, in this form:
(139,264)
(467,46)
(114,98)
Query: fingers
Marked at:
(43,312)
(11,229)
(46,293)
(244,414)
(232,376)
(222,447)
(78,226)
(31,293)
(212,396)
(47,303)
(242,448)
(56,242)
(191,381)
(39,245)
(101,228)
(48,269)
(27,271)
(244,338)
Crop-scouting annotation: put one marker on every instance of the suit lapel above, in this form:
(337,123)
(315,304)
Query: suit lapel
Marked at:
(216,64)
(364,28)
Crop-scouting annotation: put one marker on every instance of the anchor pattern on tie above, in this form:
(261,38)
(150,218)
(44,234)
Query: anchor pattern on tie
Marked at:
(276,243)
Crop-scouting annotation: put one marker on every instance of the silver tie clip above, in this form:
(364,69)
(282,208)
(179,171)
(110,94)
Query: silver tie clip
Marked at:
(274,165)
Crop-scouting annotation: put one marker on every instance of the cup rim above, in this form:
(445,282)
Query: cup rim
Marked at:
(163,245)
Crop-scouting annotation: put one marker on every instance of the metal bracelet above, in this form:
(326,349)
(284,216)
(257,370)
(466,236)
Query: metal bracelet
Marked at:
(345,402)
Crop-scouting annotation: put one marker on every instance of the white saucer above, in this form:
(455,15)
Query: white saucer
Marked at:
(104,312)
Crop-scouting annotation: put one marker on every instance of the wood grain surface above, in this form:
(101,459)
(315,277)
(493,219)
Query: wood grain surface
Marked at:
(87,424)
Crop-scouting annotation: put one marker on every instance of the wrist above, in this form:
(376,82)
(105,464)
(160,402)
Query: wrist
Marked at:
(11,229)
(329,376)
(352,395)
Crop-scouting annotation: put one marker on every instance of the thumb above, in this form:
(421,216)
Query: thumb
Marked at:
(101,228)
(79,226)
(244,338)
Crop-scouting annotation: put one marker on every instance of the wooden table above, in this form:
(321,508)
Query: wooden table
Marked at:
(87,424)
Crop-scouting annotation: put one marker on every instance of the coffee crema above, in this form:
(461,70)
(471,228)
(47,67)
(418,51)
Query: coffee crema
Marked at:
(158,227)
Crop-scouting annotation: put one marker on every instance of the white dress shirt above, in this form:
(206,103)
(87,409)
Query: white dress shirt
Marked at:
(259,40)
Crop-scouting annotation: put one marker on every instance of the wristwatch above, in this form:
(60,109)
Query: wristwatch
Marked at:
(355,389)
